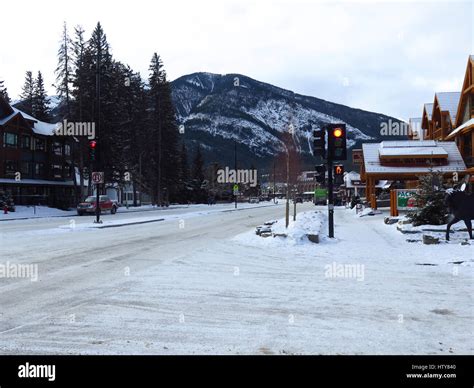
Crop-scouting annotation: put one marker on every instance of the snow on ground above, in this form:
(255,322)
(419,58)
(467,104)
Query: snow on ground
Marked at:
(35,212)
(23,212)
(161,289)
(296,234)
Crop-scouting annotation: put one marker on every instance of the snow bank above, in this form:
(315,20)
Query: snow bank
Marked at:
(296,234)
(39,212)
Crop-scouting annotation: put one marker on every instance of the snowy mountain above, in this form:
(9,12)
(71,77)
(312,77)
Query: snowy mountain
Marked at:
(218,109)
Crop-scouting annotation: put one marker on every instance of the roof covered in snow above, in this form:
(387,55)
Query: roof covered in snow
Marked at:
(448,101)
(468,123)
(410,149)
(39,127)
(373,163)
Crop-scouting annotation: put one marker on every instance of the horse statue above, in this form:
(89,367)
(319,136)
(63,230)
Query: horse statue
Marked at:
(461,207)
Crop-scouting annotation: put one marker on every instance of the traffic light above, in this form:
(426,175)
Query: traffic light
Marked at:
(321,173)
(338,174)
(92,149)
(337,142)
(319,143)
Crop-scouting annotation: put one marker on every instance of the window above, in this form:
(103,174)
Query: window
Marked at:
(39,169)
(57,171)
(10,140)
(67,149)
(57,148)
(25,168)
(10,167)
(25,142)
(40,145)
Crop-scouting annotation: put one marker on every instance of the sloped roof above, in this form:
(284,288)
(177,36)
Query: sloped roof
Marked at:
(38,126)
(429,109)
(373,165)
(467,124)
(448,101)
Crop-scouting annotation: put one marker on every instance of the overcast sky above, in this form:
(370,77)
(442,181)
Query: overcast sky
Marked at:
(387,57)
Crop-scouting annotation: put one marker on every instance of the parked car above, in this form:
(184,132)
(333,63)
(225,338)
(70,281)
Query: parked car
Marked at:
(298,200)
(89,205)
(254,200)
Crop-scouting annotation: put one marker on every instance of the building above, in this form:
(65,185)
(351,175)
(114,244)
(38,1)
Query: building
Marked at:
(426,122)
(463,134)
(35,165)
(406,160)
(443,117)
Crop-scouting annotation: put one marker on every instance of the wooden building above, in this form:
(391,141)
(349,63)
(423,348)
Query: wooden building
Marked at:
(405,161)
(426,122)
(445,107)
(35,164)
(463,134)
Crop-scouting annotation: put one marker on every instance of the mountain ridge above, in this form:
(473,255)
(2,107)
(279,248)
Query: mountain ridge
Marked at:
(218,109)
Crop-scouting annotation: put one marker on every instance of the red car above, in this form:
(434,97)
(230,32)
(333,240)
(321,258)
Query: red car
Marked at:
(89,205)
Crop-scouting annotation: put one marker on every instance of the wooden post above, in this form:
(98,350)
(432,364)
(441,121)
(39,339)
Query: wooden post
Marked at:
(393,203)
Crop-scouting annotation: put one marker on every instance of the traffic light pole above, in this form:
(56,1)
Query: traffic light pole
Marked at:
(97,159)
(330,199)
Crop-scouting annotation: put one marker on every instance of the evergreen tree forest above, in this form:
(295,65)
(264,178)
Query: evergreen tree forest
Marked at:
(136,133)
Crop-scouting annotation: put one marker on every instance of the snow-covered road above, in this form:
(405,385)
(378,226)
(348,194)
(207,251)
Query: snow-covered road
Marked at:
(186,285)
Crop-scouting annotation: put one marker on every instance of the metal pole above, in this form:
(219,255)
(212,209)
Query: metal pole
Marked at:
(287,213)
(330,199)
(97,164)
(274,183)
(235,169)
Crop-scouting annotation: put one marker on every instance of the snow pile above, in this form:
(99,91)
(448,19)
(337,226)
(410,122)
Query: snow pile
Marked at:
(307,223)
(36,212)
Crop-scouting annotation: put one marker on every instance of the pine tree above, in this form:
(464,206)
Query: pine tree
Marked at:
(27,94)
(430,201)
(41,109)
(183,160)
(64,69)
(198,166)
(163,133)
(197,177)
(4,92)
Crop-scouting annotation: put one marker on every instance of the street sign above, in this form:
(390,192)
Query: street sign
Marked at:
(236,189)
(97,178)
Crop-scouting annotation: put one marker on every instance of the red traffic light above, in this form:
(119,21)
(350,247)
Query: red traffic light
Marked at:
(93,144)
(338,132)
